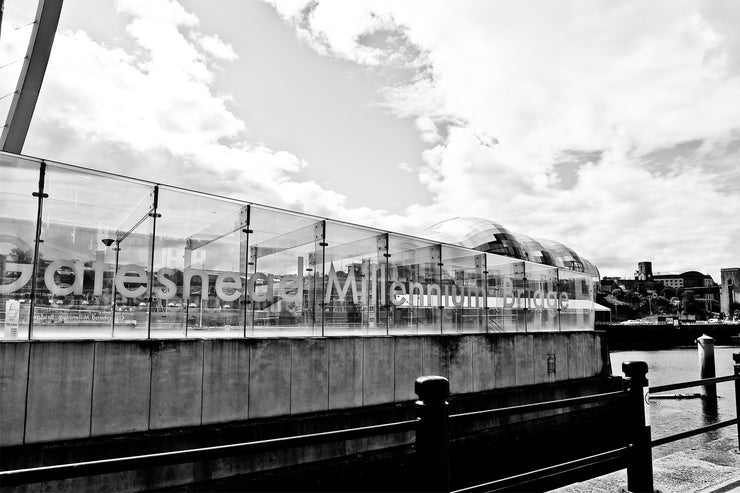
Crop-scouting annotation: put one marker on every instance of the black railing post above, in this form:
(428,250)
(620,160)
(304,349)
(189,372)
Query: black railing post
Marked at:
(736,359)
(432,445)
(640,457)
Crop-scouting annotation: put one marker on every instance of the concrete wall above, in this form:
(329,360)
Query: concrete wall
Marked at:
(56,390)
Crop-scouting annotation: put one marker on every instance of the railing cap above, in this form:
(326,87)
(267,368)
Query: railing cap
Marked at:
(705,339)
(432,388)
(635,369)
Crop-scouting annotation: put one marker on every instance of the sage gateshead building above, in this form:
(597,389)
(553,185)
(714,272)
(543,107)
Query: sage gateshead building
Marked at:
(88,254)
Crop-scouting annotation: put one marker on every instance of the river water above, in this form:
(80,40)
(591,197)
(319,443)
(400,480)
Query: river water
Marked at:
(670,416)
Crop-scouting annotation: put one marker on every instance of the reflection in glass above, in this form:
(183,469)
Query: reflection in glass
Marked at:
(125,258)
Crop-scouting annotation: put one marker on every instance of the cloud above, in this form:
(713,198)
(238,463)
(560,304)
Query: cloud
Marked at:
(516,86)
(217,48)
(152,112)
(428,130)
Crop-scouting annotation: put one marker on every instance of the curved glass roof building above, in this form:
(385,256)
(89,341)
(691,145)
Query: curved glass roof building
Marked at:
(491,237)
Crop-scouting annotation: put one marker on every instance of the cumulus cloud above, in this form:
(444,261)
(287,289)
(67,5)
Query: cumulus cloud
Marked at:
(217,48)
(517,87)
(428,130)
(636,100)
(152,112)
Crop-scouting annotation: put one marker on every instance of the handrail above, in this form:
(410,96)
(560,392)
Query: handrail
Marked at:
(63,471)
(698,431)
(693,383)
(545,472)
(539,406)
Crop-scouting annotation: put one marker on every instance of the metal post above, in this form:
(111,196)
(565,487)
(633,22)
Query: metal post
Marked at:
(247,231)
(705,345)
(41,195)
(154,215)
(736,359)
(432,445)
(640,458)
(187,313)
(113,290)
(525,287)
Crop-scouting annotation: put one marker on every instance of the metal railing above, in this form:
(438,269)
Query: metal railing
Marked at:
(695,383)
(432,442)
(105,466)
(638,453)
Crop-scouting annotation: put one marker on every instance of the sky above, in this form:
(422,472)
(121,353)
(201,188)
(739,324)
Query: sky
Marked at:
(611,127)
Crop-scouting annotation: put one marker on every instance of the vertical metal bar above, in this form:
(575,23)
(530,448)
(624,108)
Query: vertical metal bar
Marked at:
(254,271)
(432,440)
(526,294)
(113,290)
(187,313)
(387,303)
(323,246)
(557,291)
(154,215)
(736,359)
(439,283)
(247,231)
(640,458)
(37,243)
(485,289)
(387,256)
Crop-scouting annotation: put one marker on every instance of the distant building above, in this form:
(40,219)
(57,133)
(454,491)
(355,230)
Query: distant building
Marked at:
(609,283)
(669,280)
(688,279)
(645,271)
(730,294)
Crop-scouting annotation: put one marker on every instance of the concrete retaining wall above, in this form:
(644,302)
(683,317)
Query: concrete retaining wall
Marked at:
(58,390)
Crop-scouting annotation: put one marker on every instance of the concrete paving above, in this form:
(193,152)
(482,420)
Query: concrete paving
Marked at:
(713,467)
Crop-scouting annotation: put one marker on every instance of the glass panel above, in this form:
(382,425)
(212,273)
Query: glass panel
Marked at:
(504,282)
(414,289)
(76,291)
(354,258)
(224,267)
(463,290)
(576,300)
(542,297)
(18,210)
(200,266)
(286,272)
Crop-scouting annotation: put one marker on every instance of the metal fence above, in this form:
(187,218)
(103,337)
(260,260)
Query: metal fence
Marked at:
(432,442)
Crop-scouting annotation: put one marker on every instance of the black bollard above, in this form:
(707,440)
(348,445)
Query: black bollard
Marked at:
(640,458)
(432,444)
(736,359)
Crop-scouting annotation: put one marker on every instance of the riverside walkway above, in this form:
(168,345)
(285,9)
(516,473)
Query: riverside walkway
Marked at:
(713,467)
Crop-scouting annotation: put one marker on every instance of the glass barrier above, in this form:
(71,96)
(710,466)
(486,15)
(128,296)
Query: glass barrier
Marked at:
(286,273)
(20,179)
(504,279)
(94,255)
(541,293)
(125,258)
(354,261)
(576,300)
(463,286)
(414,290)
(199,265)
